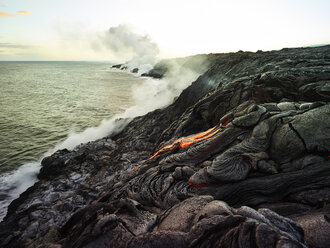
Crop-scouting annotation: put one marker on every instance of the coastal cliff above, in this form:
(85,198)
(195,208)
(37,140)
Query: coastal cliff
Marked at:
(240,159)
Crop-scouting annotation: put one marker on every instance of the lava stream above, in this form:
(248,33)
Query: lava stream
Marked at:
(185,142)
(188,141)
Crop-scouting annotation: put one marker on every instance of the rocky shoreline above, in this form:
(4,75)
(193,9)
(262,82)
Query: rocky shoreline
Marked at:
(240,159)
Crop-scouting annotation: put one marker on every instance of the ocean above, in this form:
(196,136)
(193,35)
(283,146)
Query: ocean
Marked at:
(43,104)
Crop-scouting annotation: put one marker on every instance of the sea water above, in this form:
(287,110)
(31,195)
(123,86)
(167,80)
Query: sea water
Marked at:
(41,103)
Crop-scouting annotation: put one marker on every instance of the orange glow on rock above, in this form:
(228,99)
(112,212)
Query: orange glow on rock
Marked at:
(188,141)
(198,185)
(185,142)
(135,168)
(226,123)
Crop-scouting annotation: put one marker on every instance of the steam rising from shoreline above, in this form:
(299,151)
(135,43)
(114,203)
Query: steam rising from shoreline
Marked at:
(150,95)
(126,44)
(14,183)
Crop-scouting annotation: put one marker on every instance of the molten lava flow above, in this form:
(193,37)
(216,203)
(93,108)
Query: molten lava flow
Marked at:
(185,142)
(188,141)
(135,168)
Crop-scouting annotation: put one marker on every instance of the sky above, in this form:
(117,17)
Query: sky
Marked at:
(86,29)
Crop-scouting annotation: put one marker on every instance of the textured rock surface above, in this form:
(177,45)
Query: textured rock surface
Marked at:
(240,159)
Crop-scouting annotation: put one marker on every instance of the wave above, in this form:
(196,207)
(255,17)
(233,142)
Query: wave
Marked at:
(14,183)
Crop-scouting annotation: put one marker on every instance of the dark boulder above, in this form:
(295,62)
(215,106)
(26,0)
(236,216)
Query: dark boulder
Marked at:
(135,70)
(118,66)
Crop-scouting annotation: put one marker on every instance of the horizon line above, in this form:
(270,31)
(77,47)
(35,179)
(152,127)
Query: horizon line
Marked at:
(110,61)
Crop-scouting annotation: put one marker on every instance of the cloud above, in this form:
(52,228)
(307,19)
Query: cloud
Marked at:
(5,14)
(20,12)
(24,12)
(12,45)
(124,43)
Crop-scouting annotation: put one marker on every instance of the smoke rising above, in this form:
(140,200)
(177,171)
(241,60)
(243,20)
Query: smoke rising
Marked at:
(126,44)
(151,94)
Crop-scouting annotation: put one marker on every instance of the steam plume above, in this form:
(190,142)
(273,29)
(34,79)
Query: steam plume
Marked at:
(150,95)
(124,43)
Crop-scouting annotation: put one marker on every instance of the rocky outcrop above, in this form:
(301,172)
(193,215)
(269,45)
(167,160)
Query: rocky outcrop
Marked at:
(240,159)
(135,70)
(195,222)
(117,66)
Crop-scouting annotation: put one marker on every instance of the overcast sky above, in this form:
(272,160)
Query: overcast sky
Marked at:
(77,29)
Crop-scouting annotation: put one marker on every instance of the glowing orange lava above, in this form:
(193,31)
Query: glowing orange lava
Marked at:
(185,142)
(135,168)
(188,141)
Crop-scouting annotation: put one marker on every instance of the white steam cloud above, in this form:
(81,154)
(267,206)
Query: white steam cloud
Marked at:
(126,44)
(150,95)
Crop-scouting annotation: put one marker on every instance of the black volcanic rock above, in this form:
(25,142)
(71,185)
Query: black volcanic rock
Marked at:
(240,159)
(118,66)
(153,75)
(135,70)
(53,165)
(195,222)
(158,71)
